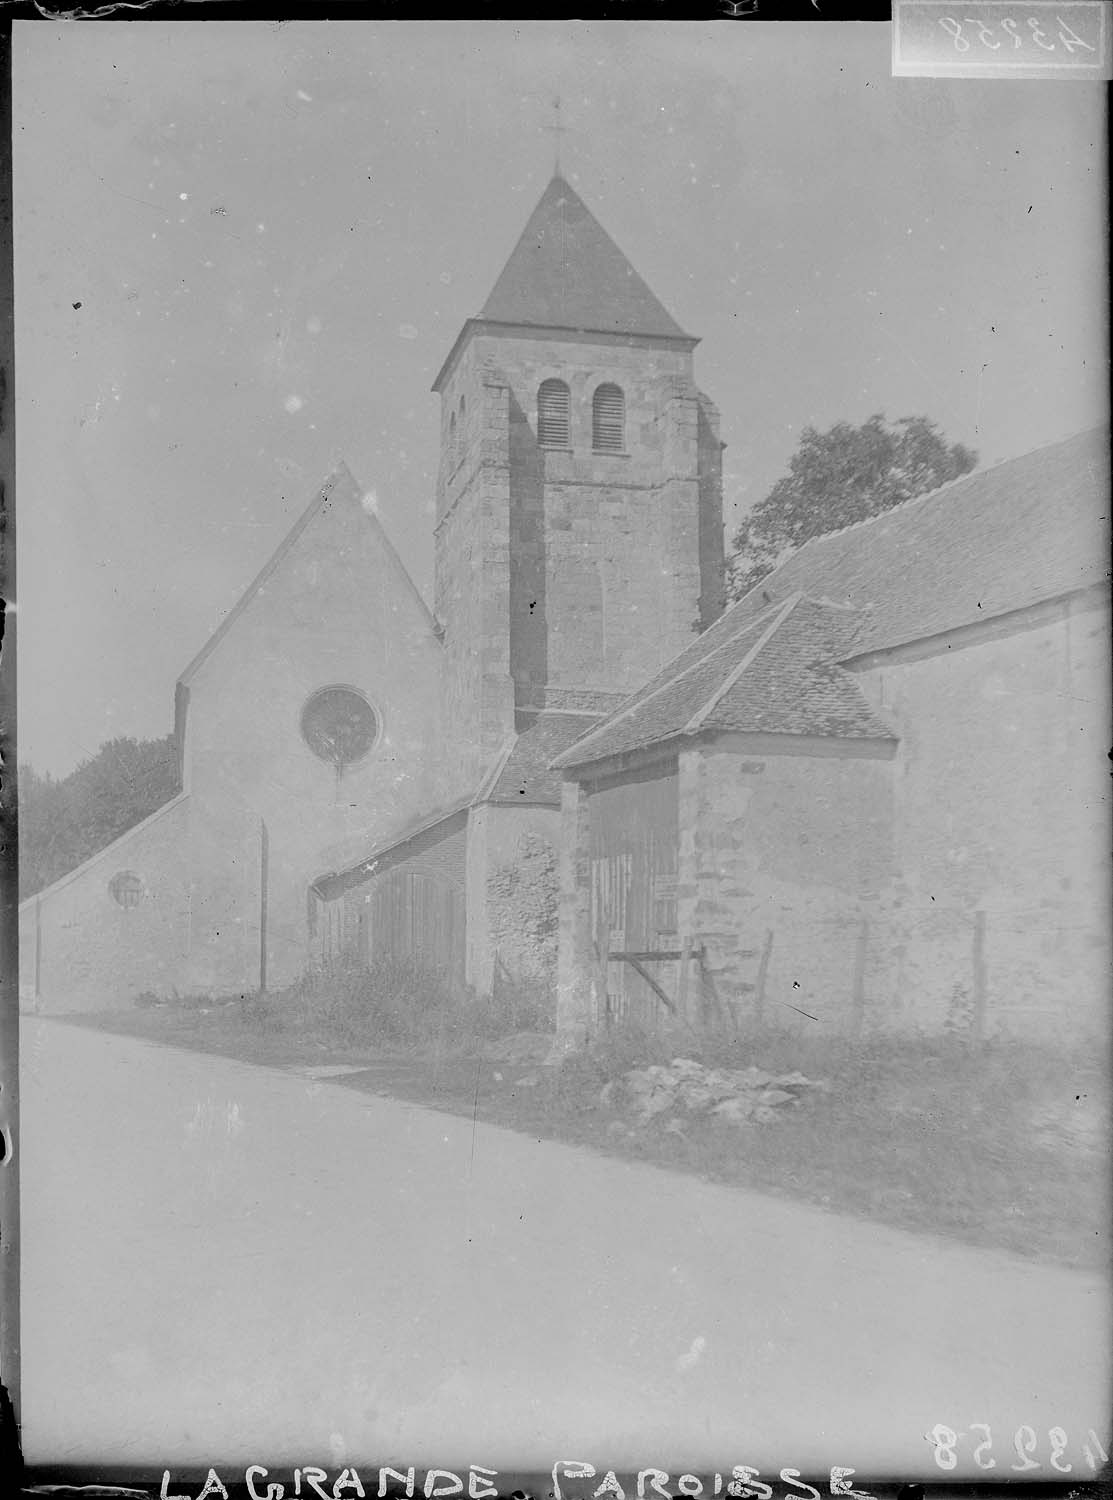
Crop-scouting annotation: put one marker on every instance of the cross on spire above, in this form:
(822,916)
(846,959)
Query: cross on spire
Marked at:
(557,129)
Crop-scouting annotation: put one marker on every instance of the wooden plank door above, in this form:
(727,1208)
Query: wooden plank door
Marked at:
(633,846)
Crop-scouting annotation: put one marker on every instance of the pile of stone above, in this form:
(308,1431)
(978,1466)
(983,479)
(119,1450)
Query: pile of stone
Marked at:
(741,1096)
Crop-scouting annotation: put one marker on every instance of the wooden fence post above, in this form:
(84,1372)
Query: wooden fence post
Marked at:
(603,1003)
(682,977)
(762,973)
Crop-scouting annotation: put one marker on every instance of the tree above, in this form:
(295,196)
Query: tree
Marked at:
(63,822)
(838,477)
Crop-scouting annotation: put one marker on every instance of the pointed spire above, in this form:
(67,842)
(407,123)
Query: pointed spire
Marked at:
(567,272)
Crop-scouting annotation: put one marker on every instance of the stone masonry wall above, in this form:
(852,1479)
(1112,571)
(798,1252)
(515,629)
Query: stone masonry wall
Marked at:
(579,983)
(520,907)
(472,574)
(621,530)
(598,566)
(792,844)
(962,885)
(528,601)
(1002,829)
(709,449)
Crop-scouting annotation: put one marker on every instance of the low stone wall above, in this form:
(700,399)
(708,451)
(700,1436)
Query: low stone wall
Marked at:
(114,928)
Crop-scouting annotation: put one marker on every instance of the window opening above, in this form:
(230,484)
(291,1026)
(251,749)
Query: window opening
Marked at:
(553,410)
(608,420)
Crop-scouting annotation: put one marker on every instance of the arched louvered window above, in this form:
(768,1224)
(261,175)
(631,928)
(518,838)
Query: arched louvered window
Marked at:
(553,407)
(608,420)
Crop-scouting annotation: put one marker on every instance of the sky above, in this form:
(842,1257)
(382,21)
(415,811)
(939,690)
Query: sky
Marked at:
(243,250)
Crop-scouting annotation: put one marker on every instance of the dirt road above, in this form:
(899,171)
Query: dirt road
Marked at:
(233,1261)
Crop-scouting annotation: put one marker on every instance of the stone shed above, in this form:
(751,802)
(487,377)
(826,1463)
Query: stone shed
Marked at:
(875,791)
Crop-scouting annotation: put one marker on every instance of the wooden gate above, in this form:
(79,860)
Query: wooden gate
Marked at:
(633,843)
(420,917)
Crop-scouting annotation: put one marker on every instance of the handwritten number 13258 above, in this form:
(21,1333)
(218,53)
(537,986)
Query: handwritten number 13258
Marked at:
(954,28)
(945,1442)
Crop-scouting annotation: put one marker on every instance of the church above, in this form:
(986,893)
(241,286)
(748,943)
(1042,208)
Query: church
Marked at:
(362,774)
(872,793)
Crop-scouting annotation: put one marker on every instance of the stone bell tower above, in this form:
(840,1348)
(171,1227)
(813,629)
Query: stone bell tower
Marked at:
(579,537)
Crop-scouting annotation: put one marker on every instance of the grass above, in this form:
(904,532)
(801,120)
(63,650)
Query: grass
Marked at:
(1002,1145)
(395,1009)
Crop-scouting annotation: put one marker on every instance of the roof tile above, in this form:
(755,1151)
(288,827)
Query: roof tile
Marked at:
(1027,530)
(525,775)
(567,272)
(1000,539)
(777,674)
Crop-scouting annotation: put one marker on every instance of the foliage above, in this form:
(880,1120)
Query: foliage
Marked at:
(399,1003)
(63,822)
(837,478)
(394,1002)
(522,1003)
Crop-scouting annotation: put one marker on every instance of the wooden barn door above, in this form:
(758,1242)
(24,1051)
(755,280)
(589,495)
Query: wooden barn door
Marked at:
(633,836)
(419,917)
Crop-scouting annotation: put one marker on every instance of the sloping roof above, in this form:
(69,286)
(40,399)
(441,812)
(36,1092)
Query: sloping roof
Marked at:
(339,488)
(776,673)
(567,272)
(1000,539)
(522,773)
(375,857)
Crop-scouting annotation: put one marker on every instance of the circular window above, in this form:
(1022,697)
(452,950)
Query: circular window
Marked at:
(126,888)
(339,725)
